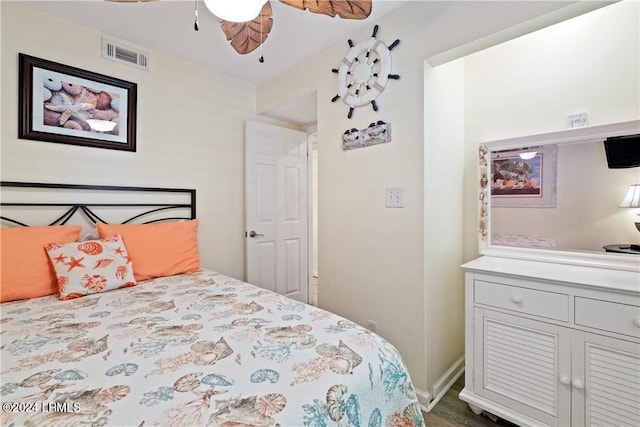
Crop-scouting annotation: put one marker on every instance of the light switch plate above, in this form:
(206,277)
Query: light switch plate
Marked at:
(394,197)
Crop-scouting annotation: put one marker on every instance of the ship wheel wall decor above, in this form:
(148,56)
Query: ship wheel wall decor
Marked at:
(364,73)
(245,37)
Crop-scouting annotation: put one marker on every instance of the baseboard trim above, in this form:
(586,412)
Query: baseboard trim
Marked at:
(444,383)
(424,397)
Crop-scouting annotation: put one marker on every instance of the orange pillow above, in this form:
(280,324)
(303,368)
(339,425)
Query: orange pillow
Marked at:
(158,250)
(24,264)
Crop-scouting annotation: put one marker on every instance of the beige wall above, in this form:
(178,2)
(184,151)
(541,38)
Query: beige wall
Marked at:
(444,171)
(190,130)
(385,264)
(530,85)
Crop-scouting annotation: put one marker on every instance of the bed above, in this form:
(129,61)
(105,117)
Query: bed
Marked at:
(522,241)
(192,348)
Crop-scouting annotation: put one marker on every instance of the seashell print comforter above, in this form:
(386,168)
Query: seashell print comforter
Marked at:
(196,349)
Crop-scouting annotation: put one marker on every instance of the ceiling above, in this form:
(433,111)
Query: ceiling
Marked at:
(167,26)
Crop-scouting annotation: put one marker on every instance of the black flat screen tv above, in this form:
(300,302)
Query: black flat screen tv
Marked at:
(623,151)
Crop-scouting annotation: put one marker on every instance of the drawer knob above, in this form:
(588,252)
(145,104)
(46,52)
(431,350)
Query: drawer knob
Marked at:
(565,380)
(637,322)
(577,384)
(516,299)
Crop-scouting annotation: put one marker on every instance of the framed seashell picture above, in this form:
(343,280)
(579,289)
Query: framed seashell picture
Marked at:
(524,177)
(69,105)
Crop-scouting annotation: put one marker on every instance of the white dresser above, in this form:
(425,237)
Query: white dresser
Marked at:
(552,344)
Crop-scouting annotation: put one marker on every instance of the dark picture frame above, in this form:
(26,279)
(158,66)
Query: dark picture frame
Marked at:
(58,102)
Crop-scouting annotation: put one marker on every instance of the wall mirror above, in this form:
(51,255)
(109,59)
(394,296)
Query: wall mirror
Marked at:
(556,197)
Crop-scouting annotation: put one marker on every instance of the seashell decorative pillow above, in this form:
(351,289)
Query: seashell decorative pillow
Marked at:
(91,266)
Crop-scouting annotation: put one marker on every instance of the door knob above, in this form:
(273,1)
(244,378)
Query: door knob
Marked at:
(565,380)
(253,234)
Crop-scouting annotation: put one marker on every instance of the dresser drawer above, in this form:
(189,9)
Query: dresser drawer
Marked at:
(523,300)
(608,316)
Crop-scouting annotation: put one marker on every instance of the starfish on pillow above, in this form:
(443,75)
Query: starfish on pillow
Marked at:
(74,263)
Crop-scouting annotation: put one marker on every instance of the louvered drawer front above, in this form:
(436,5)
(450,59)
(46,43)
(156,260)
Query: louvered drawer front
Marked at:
(520,364)
(523,300)
(608,316)
(613,387)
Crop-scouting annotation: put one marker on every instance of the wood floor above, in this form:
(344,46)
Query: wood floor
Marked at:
(453,412)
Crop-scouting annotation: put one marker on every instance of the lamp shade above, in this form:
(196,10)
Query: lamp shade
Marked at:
(235,10)
(632,199)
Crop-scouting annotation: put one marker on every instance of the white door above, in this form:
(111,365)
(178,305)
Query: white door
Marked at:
(277,209)
(605,382)
(521,364)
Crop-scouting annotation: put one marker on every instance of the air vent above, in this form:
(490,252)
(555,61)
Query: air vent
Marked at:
(119,53)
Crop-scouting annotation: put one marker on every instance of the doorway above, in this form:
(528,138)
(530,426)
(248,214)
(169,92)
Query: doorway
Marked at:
(277,209)
(301,113)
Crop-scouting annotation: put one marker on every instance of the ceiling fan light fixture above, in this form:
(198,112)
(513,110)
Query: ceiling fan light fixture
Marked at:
(528,155)
(235,10)
(101,125)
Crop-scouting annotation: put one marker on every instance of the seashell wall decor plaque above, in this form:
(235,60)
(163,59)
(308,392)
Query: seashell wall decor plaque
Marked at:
(376,133)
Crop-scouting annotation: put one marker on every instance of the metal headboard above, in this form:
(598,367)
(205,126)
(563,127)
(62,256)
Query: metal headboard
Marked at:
(162,210)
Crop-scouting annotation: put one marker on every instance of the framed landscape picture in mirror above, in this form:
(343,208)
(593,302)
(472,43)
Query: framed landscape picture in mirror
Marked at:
(524,177)
(68,105)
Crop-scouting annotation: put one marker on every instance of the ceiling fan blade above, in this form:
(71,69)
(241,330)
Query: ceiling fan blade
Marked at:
(246,37)
(346,9)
